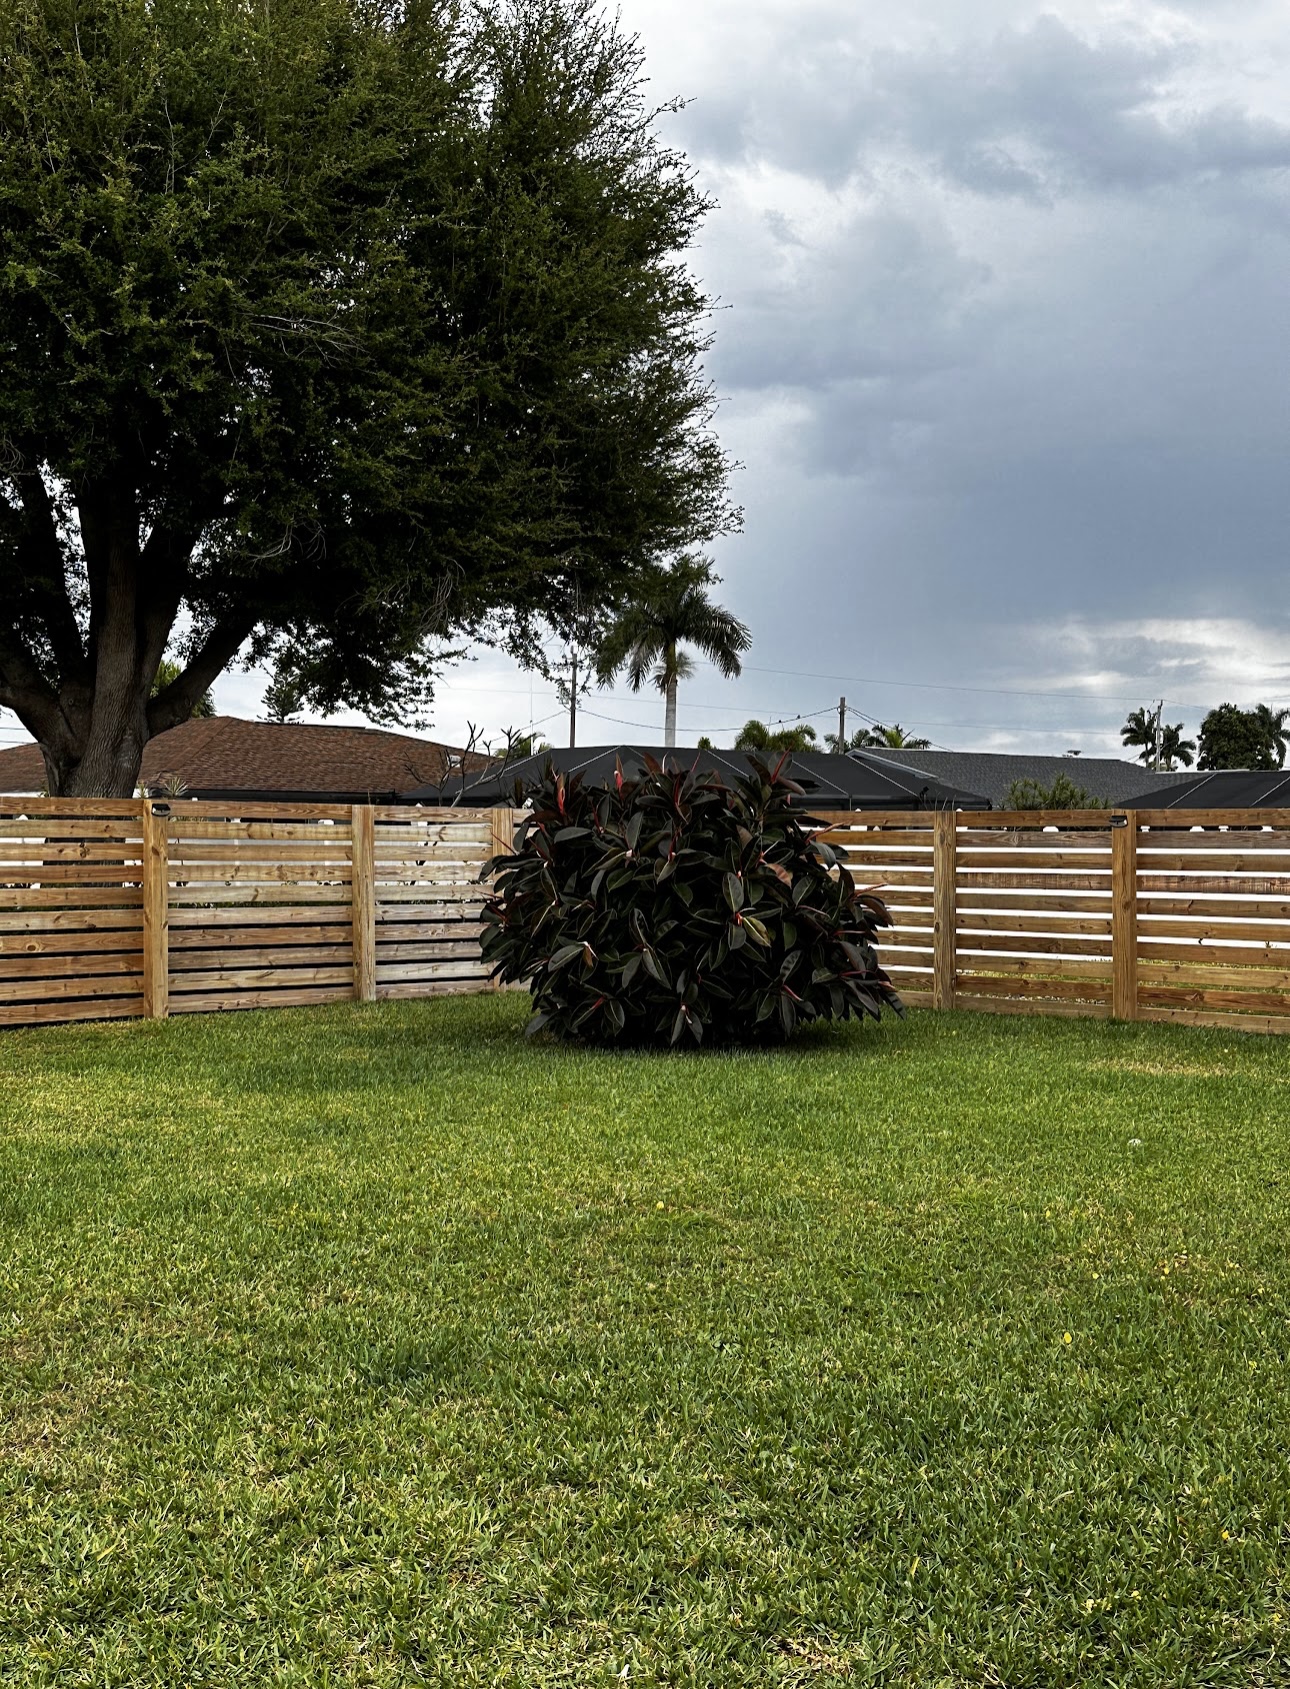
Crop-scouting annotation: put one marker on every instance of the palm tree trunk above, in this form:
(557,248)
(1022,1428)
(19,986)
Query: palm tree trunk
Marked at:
(669,717)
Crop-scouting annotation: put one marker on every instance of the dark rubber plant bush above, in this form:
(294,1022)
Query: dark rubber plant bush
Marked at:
(673,907)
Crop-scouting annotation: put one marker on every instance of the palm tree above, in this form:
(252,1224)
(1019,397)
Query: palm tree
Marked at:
(1175,749)
(673,610)
(894,738)
(1140,729)
(754,735)
(877,737)
(1276,725)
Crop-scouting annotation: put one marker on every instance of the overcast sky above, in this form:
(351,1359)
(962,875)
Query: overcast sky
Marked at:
(1003,350)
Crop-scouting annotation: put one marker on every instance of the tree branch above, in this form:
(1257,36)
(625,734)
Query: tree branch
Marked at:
(178,700)
(25,691)
(46,576)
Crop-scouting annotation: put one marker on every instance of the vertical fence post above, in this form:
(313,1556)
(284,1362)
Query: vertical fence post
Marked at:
(1124,917)
(944,907)
(363,892)
(502,824)
(156,914)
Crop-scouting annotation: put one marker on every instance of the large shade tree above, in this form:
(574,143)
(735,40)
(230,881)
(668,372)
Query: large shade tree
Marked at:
(648,637)
(1234,738)
(332,332)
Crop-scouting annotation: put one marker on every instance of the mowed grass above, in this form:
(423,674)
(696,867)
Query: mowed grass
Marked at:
(377,1346)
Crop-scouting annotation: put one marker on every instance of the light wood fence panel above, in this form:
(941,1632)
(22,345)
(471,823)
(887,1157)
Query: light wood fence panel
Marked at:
(1162,915)
(119,909)
(1214,925)
(260,906)
(71,910)
(429,898)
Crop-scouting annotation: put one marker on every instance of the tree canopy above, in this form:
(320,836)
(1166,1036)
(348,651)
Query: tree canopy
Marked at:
(1234,738)
(331,333)
(1063,793)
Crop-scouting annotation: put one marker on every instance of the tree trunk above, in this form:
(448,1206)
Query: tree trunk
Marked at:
(669,718)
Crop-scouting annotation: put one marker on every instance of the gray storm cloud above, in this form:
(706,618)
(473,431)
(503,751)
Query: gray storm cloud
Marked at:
(1006,347)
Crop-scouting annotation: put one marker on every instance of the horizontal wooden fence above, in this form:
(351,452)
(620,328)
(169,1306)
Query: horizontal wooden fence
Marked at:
(133,908)
(140,908)
(1142,915)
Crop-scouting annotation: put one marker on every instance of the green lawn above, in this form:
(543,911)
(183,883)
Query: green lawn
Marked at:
(375,1346)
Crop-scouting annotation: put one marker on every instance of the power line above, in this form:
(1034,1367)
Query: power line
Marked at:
(945,686)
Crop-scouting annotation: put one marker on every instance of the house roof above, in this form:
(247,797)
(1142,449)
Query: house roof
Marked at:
(992,772)
(830,782)
(1226,788)
(225,757)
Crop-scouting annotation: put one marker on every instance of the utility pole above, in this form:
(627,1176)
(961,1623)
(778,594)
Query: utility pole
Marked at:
(842,724)
(1158,736)
(573,699)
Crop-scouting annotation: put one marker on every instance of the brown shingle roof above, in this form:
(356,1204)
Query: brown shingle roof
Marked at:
(223,755)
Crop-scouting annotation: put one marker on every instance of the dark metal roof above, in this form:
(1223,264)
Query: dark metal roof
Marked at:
(829,782)
(1225,788)
(992,772)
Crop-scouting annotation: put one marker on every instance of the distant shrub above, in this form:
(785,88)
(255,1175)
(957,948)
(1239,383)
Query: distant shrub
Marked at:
(675,907)
(1062,794)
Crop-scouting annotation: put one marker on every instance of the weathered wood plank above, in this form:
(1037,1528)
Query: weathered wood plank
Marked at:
(416,954)
(1275,1024)
(1202,958)
(185,940)
(1008,902)
(43,990)
(390,974)
(260,979)
(71,897)
(436,988)
(979,985)
(219,1002)
(1034,967)
(248,895)
(1199,908)
(335,914)
(982,943)
(260,956)
(263,873)
(229,834)
(89,1008)
(1220,972)
(1217,997)
(119,942)
(20,922)
(1237,885)
(78,967)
